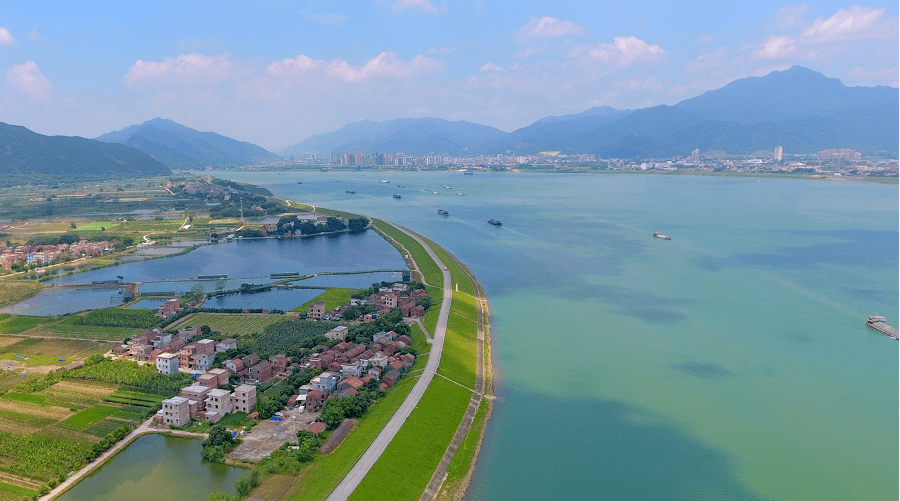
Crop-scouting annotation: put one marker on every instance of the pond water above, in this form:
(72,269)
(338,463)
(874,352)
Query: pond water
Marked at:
(68,300)
(157,467)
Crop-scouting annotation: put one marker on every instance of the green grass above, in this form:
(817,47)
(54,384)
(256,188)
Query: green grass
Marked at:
(324,473)
(30,360)
(66,329)
(18,324)
(103,427)
(458,360)
(233,325)
(418,446)
(332,298)
(9,492)
(97,226)
(426,265)
(27,419)
(31,398)
(87,417)
(465,454)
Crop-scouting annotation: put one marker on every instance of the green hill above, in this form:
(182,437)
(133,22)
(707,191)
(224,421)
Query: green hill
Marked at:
(29,157)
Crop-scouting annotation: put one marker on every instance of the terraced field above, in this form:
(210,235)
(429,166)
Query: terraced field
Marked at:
(233,325)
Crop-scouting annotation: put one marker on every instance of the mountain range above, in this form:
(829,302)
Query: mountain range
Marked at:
(799,109)
(29,157)
(181,147)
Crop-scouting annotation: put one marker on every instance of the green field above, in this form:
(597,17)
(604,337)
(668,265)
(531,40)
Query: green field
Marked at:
(324,473)
(332,298)
(66,328)
(97,226)
(17,324)
(87,417)
(231,324)
(31,398)
(9,492)
(26,419)
(419,445)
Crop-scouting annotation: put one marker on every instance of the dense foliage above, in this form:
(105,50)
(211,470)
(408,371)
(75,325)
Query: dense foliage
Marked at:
(118,317)
(219,443)
(28,157)
(143,377)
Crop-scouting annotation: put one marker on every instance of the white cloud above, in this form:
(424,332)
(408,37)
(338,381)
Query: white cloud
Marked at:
(186,69)
(547,27)
(776,47)
(6,38)
(705,62)
(35,36)
(490,67)
(385,65)
(855,22)
(27,79)
(423,6)
(623,52)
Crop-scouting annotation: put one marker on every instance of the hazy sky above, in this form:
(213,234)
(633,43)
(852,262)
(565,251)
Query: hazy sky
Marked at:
(275,72)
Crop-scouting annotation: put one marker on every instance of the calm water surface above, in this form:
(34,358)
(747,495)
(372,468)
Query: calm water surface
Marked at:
(731,362)
(157,467)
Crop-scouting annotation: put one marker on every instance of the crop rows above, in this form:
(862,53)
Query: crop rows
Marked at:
(87,417)
(103,427)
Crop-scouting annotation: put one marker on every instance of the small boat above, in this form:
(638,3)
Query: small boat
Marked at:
(399,186)
(397,196)
(385,181)
(299,182)
(443,212)
(434,193)
(460,194)
(351,192)
(495,222)
(660,235)
(446,187)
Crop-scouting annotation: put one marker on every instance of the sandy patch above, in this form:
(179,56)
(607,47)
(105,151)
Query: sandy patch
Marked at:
(34,409)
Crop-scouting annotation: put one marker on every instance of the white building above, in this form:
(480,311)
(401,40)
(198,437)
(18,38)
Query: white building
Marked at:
(167,363)
(175,411)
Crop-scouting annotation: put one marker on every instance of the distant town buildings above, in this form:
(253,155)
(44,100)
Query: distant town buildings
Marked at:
(842,154)
(779,153)
(695,156)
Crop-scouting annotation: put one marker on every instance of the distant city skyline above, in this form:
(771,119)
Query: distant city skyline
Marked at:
(275,72)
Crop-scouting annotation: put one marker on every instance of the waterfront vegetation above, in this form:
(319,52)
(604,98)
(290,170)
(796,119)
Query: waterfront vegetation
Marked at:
(11,291)
(117,317)
(332,297)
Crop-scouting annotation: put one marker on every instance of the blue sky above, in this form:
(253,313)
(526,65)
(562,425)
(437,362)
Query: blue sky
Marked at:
(275,72)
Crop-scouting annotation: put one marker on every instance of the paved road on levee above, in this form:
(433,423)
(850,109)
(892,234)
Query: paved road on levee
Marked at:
(365,462)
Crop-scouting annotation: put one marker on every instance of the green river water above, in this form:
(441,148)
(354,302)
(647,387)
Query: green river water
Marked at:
(731,362)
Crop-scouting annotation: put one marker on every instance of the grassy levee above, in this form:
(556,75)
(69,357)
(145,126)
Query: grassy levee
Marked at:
(465,454)
(428,267)
(426,434)
(418,446)
(324,473)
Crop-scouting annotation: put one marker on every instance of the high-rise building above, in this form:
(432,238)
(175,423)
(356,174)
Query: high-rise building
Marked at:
(695,155)
(779,153)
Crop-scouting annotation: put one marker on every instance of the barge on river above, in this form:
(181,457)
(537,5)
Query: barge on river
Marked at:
(880,324)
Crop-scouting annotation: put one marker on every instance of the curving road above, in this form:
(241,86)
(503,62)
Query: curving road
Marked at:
(359,470)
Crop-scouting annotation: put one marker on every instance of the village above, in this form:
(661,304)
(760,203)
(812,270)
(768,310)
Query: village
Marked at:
(221,386)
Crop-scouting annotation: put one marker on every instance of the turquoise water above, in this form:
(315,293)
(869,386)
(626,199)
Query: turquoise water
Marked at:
(731,362)
(157,467)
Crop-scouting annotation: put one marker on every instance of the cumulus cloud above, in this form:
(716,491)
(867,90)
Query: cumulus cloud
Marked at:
(385,65)
(855,22)
(27,79)
(186,69)
(776,47)
(623,52)
(6,38)
(547,27)
(423,6)
(490,67)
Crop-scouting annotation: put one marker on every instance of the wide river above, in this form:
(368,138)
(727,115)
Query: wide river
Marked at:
(731,362)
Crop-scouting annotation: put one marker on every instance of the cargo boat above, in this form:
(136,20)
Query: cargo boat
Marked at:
(495,222)
(660,235)
(879,323)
